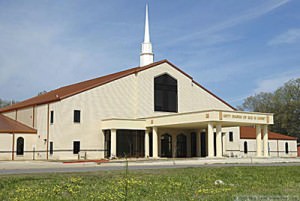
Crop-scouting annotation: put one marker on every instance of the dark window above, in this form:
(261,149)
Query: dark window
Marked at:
(77,116)
(215,144)
(150,144)
(107,143)
(181,146)
(165,94)
(166,145)
(130,143)
(194,144)
(286,148)
(245,147)
(20,146)
(51,148)
(203,144)
(76,147)
(51,117)
(231,136)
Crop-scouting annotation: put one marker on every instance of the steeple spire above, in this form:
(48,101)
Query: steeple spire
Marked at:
(147,34)
(146,56)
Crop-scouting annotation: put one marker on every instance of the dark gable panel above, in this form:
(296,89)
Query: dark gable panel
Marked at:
(165,94)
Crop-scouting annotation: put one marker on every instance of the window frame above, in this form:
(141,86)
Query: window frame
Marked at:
(76,147)
(76,116)
(51,117)
(286,147)
(245,147)
(20,150)
(165,91)
(230,134)
(51,148)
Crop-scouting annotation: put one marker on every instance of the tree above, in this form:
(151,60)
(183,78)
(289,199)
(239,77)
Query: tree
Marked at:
(4,103)
(284,103)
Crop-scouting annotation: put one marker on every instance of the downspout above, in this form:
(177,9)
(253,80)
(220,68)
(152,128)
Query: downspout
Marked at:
(16,115)
(33,116)
(13,147)
(47,141)
(277,149)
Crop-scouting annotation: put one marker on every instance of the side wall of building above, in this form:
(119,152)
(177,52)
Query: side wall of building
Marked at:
(277,148)
(6,144)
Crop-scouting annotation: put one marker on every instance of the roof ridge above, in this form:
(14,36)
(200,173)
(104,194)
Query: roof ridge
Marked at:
(53,95)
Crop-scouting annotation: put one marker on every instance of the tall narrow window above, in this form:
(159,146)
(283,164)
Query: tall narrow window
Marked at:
(20,146)
(51,117)
(286,148)
(51,148)
(230,136)
(77,116)
(165,94)
(245,147)
(76,147)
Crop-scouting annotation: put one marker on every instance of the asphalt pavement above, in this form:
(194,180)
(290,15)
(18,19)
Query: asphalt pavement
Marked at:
(36,167)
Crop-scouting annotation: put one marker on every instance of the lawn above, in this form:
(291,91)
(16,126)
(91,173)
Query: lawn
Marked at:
(238,183)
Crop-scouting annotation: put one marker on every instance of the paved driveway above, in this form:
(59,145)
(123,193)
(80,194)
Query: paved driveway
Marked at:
(24,167)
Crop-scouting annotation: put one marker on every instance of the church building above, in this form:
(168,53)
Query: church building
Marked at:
(154,110)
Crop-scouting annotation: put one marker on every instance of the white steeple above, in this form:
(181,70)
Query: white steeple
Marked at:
(147,55)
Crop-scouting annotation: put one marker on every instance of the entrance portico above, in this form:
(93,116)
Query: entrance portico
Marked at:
(173,135)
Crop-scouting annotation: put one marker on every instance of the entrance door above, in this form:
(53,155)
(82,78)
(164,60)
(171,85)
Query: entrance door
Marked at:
(193,144)
(181,146)
(203,145)
(166,145)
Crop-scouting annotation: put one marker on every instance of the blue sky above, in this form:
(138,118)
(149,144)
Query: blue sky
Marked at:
(234,48)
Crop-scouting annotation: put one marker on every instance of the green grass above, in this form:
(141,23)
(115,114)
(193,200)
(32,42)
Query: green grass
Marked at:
(164,184)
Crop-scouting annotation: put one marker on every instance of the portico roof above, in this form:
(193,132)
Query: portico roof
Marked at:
(192,120)
(201,118)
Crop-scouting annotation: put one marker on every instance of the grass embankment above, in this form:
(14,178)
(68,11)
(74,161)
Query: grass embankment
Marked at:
(164,184)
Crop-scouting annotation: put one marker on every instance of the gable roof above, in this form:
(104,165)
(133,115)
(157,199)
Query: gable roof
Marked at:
(8,125)
(250,133)
(73,89)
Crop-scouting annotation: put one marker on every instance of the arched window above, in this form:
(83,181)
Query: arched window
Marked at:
(286,148)
(165,94)
(245,147)
(20,146)
(166,145)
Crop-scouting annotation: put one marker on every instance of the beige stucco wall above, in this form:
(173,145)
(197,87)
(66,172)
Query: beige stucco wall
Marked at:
(6,141)
(11,114)
(190,96)
(231,148)
(5,146)
(276,148)
(115,99)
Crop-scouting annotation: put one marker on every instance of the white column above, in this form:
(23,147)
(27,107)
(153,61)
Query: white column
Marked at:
(258,140)
(219,140)
(154,141)
(174,145)
(265,138)
(210,139)
(146,143)
(113,140)
(198,144)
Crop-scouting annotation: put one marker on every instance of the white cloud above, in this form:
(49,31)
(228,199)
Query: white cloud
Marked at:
(234,21)
(275,81)
(288,37)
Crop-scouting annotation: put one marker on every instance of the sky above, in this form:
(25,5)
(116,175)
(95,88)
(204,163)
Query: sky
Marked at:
(233,48)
